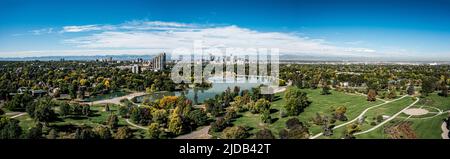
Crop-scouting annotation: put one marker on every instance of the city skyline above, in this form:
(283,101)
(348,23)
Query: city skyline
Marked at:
(407,30)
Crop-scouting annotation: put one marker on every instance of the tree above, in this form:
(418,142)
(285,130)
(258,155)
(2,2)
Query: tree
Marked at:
(428,85)
(218,125)
(444,91)
(296,101)
(264,134)
(325,90)
(392,94)
(112,121)
(411,90)
(123,133)
(372,95)
(9,128)
(260,106)
(235,132)
(198,117)
(19,102)
(159,116)
(44,111)
(52,134)
(35,132)
(265,117)
(103,132)
(2,112)
(154,131)
(123,111)
(339,113)
(77,109)
(85,134)
(176,124)
(293,122)
(64,109)
(86,111)
(107,108)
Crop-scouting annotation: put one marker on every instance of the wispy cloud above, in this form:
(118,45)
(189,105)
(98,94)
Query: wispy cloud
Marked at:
(42,31)
(167,36)
(85,28)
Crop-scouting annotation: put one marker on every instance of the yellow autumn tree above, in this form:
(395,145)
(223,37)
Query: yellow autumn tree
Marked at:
(168,102)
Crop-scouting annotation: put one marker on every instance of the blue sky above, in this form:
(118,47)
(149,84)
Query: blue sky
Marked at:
(373,28)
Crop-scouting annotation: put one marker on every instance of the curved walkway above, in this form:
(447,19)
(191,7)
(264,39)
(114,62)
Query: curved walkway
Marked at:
(360,115)
(134,125)
(389,119)
(116,100)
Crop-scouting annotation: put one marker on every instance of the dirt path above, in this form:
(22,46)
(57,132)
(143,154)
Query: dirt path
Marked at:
(198,134)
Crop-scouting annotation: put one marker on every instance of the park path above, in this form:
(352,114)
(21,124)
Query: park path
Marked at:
(116,100)
(389,119)
(198,134)
(18,115)
(360,115)
(134,125)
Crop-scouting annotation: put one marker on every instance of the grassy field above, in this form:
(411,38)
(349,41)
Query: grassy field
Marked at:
(425,126)
(98,117)
(322,104)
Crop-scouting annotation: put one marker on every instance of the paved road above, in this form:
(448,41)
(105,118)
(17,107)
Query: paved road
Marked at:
(359,116)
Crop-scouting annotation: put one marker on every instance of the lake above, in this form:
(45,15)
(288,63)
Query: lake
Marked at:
(198,95)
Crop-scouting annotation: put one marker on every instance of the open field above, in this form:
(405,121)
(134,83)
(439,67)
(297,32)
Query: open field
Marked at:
(322,104)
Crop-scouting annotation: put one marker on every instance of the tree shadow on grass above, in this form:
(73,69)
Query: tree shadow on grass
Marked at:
(273,120)
(273,111)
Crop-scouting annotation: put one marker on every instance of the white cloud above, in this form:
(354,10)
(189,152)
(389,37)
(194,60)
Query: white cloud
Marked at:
(42,31)
(171,35)
(85,28)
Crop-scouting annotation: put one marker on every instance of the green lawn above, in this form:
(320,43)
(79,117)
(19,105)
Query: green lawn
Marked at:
(109,95)
(98,117)
(322,104)
(429,128)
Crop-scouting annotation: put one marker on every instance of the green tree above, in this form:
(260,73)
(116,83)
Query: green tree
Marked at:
(296,101)
(265,117)
(325,90)
(9,128)
(411,90)
(103,132)
(154,131)
(52,134)
(86,111)
(235,132)
(159,116)
(198,117)
(176,124)
(44,111)
(112,121)
(123,133)
(64,109)
(35,132)
(428,85)
(264,134)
